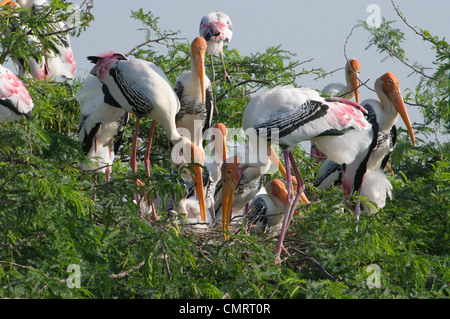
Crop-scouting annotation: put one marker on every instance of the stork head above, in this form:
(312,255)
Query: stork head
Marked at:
(104,62)
(391,88)
(278,189)
(352,69)
(198,51)
(7,2)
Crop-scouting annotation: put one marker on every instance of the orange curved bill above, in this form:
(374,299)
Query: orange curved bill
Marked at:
(200,61)
(230,179)
(228,189)
(355,87)
(5,2)
(397,100)
(389,168)
(197,178)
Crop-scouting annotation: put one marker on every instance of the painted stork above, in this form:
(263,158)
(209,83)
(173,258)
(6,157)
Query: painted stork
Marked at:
(194,91)
(7,2)
(36,68)
(375,186)
(217,29)
(141,88)
(59,61)
(15,101)
(101,124)
(237,188)
(289,115)
(266,210)
(349,90)
(211,175)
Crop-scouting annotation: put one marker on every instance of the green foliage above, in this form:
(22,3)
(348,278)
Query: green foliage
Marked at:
(49,219)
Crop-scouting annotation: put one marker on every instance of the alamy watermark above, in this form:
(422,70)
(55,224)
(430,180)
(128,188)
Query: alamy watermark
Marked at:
(374,19)
(374,279)
(250,145)
(74,280)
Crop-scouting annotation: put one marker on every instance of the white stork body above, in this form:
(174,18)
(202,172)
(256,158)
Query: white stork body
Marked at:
(217,29)
(300,114)
(140,87)
(61,62)
(194,91)
(349,90)
(375,186)
(337,126)
(37,69)
(15,101)
(102,120)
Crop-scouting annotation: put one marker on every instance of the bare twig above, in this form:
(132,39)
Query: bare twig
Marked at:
(346,58)
(126,273)
(159,41)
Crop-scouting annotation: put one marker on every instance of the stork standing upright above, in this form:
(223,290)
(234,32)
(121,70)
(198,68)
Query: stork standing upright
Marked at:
(293,115)
(141,88)
(194,91)
(15,101)
(349,90)
(375,186)
(217,29)
(59,61)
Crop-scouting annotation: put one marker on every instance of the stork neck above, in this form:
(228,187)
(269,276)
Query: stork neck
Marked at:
(388,115)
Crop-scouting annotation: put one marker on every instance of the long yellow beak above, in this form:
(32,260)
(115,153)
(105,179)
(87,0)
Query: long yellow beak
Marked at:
(198,185)
(355,86)
(6,2)
(197,178)
(397,100)
(230,179)
(200,63)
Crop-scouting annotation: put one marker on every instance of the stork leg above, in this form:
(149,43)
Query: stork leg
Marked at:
(213,74)
(149,146)
(357,212)
(94,198)
(133,162)
(108,168)
(226,76)
(291,200)
(147,168)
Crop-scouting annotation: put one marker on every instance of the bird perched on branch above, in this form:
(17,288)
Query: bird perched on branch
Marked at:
(15,101)
(288,116)
(141,88)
